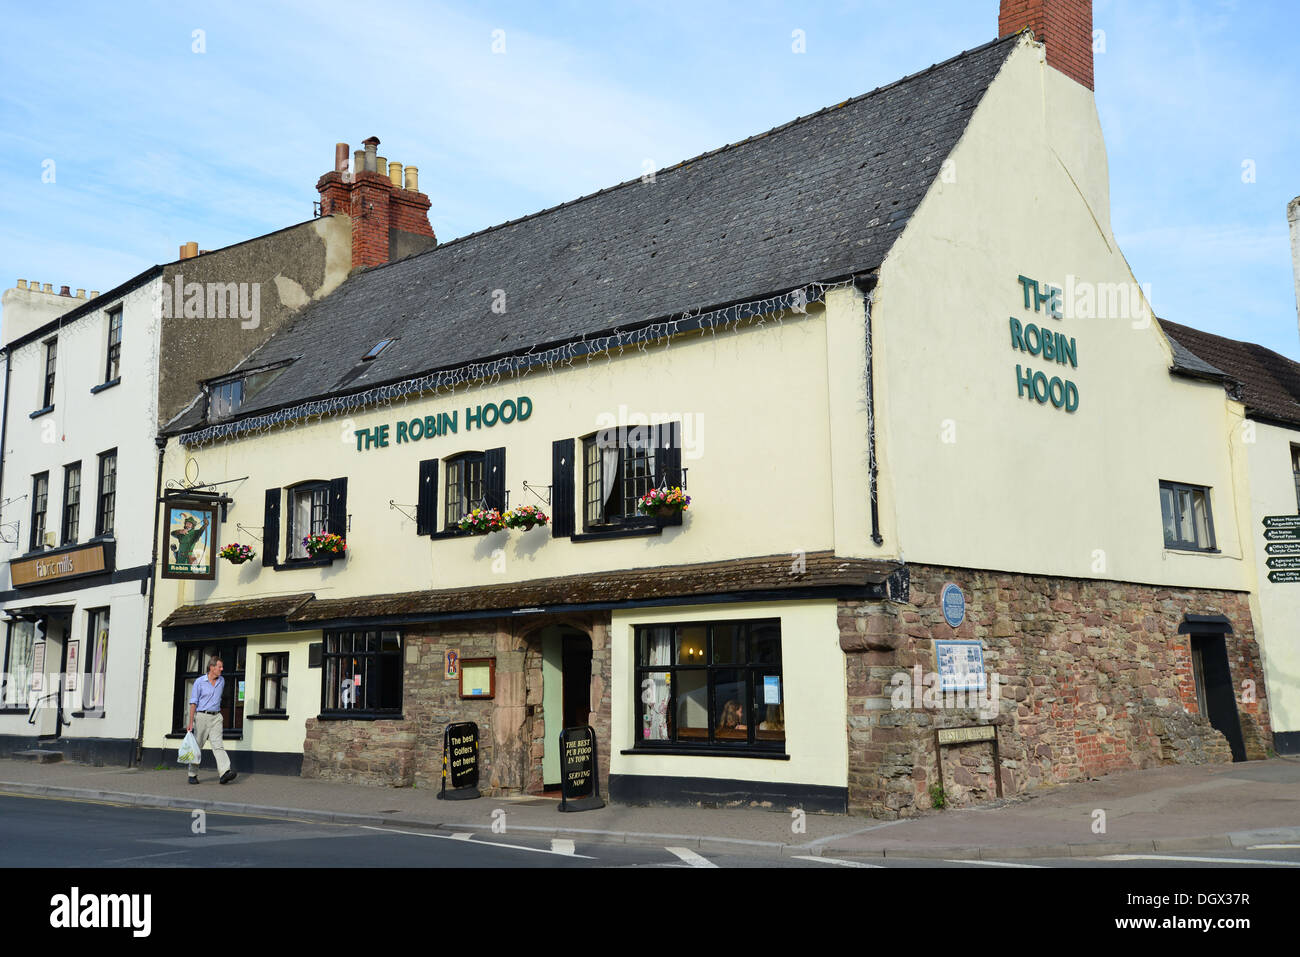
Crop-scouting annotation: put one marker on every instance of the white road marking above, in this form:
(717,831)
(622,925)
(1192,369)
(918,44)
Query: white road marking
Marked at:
(1196,860)
(833,860)
(994,863)
(468,838)
(690,857)
(1273,847)
(560,846)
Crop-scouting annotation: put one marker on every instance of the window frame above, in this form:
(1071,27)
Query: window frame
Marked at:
(89,673)
(51,370)
(1181,544)
(281,658)
(232,652)
(464,485)
(294,545)
(593,472)
(70,511)
(113,365)
(752,669)
(332,664)
(43,500)
(106,501)
(16,697)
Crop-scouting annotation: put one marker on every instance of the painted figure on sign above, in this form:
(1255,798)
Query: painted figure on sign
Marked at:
(186,536)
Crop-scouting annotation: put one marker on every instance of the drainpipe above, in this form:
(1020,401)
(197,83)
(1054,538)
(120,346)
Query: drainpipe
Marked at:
(161,442)
(865,285)
(4,428)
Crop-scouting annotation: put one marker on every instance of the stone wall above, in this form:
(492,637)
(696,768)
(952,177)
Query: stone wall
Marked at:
(408,752)
(1094,678)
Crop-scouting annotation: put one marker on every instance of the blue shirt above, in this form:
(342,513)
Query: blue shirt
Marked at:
(206,694)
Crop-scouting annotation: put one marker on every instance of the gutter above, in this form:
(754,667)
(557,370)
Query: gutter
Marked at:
(161,442)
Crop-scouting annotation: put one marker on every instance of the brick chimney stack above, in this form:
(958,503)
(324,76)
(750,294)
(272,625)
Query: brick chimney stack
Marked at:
(388,221)
(1064,26)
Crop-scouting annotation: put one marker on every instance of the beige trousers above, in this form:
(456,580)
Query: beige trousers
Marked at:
(207,728)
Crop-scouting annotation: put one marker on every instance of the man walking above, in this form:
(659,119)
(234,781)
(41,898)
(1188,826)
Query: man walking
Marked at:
(205,699)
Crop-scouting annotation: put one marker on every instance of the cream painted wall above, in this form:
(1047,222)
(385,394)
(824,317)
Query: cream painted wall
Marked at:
(1277,615)
(812,667)
(756,447)
(258,735)
(976,476)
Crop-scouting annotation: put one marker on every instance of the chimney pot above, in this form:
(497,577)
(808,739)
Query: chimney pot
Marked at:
(358,160)
(191,250)
(413,178)
(81,294)
(371,155)
(65,291)
(381,166)
(48,287)
(395,174)
(181,254)
(94,293)
(340,157)
(22,283)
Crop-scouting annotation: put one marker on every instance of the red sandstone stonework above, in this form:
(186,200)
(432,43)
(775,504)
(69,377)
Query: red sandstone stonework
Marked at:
(408,752)
(1096,679)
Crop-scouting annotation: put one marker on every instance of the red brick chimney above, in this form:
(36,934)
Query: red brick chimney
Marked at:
(1065,26)
(390,219)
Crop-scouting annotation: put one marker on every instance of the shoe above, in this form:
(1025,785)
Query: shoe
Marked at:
(228,776)
(193,780)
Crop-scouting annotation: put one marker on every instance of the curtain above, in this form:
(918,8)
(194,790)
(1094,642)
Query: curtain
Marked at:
(301,523)
(608,445)
(660,654)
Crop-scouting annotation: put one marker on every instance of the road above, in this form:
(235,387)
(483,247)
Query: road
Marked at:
(58,832)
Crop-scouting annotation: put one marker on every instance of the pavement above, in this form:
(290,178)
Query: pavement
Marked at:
(1175,808)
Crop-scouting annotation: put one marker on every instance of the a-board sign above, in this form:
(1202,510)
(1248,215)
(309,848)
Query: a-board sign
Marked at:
(460,762)
(579,780)
(983,732)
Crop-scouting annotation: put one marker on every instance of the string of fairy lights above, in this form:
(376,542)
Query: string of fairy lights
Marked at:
(487,373)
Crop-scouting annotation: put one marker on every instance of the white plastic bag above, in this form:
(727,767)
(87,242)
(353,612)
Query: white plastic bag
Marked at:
(189,750)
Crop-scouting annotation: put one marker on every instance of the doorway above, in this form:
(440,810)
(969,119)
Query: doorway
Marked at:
(566,692)
(1214,689)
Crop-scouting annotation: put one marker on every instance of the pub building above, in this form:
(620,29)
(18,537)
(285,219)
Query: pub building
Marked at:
(919,448)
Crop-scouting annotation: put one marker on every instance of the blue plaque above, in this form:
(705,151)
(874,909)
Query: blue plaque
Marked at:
(954,604)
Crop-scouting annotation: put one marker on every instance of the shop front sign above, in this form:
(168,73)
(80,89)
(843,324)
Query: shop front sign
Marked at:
(57,566)
(484,415)
(1042,342)
(189,539)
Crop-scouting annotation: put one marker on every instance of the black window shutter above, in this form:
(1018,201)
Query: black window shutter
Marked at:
(494,478)
(670,454)
(426,503)
(562,488)
(338,517)
(271,527)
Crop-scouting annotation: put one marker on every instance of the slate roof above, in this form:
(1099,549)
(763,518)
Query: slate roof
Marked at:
(821,198)
(772,573)
(1269,382)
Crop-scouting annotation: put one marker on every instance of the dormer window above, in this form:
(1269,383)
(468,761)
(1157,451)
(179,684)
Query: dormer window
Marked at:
(227,395)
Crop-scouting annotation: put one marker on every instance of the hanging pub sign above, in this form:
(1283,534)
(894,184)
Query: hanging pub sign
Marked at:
(579,781)
(460,762)
(189,539)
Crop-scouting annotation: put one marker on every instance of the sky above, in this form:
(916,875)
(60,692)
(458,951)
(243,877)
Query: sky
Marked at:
(127,129)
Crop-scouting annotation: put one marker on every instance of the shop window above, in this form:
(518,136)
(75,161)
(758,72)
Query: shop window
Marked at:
(274,697)
(309,514)
(106,506)
(1188,520)
(621,465)
(17,677)
(94,664)
(361,674)
(71,503)
(113,368)
(40,503)
(192,665)
(715,685)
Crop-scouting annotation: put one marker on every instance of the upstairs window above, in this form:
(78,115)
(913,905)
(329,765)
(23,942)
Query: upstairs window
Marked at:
(1188,520)
(621,465)
(106,508)
(51,358)
(113,369)
(40,502)
(71,502)
(309,514)
(227,396)
(465,490)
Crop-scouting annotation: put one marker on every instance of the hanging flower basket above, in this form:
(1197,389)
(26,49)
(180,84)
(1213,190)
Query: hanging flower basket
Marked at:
(663,502)
(237,554)
(324,546)
(481,521)
(524,517)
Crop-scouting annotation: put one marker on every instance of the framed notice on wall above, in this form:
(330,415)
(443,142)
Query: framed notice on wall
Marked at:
(478,677)
(189,540)
(74,664)
(961,665)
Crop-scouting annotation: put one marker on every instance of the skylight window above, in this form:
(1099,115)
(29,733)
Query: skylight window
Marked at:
(380,347)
